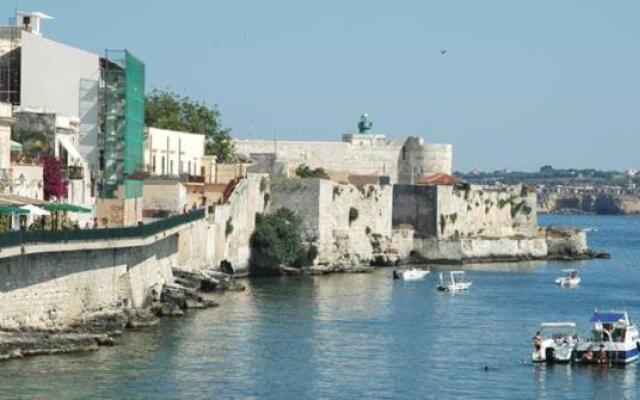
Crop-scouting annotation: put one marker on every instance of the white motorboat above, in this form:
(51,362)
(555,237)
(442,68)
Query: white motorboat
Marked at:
(454,282)
(570,279)
(555,342)
(614,340)
(412,274)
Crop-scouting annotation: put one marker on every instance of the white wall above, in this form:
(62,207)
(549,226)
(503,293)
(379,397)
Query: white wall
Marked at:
(5,135)
(64,80)
(181,151)
(33,182)
(361,158)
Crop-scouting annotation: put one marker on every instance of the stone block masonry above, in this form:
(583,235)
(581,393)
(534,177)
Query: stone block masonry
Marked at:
(402,162)
(344,221)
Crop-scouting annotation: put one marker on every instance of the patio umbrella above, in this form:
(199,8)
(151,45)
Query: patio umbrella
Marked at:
(66,207)
(33,210)
(5,209)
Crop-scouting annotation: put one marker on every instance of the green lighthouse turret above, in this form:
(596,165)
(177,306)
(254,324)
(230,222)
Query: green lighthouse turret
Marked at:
(365,125)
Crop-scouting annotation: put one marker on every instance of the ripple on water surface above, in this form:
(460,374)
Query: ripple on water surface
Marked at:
(363,336)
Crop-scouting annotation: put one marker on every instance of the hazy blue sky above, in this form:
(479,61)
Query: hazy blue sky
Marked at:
(524,83)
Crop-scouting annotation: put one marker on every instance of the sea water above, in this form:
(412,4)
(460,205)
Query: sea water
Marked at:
(366,336)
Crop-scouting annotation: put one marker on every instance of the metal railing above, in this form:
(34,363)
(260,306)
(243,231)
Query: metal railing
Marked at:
(19,238)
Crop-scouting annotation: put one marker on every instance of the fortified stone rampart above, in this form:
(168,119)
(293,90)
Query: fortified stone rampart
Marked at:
(463,211)
(344,221)
(232,225)
(401,162)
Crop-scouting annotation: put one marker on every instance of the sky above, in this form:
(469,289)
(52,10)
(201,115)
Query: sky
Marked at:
(522,83)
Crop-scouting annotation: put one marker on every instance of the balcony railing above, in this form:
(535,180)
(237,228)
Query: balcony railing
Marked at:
(19,238)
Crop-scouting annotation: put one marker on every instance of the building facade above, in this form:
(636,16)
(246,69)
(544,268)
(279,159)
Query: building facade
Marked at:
(173,153)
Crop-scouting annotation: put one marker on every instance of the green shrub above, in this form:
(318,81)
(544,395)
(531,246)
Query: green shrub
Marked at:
(278,237)
(367,230)
(453,217)
(228,229)
(337,191)
(304,171)
(515,208)
(353,214)
(264,183)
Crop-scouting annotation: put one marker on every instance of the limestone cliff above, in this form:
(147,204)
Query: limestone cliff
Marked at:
(600,203)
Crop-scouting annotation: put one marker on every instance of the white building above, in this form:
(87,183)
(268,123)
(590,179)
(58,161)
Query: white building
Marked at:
(38,73)
(173,153)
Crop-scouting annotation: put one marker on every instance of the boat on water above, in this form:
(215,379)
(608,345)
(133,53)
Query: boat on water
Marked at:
(614,340)
(555,342)
(571,278)
(454,282)
(412,274)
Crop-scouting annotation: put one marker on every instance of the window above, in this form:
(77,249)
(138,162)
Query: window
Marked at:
(163,166)
(153,164)
(189,167)
(181,166)
(171,170)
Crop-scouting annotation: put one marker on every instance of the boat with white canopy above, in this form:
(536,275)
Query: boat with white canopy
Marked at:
(555,342)
(571,278)
(453,281)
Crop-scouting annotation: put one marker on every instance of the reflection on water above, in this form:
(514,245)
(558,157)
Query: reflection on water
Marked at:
(363,336)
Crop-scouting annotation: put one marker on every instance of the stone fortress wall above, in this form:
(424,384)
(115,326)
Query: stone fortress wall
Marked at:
(325,208)
(466,211)
(359,154)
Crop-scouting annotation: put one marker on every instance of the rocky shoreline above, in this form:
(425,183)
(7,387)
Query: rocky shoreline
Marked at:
(189,291)
(103,327)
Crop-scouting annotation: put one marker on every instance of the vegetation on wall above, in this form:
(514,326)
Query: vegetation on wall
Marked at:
(165,109)
(264,184)
(277,237)
(228,229)
(353,214)
(304,171)
(337,191)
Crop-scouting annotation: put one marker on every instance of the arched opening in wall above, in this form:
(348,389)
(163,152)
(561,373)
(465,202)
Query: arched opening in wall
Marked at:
(226,267)
(404,153)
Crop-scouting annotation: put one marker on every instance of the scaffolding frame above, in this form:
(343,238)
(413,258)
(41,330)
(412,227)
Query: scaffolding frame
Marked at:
(122,123)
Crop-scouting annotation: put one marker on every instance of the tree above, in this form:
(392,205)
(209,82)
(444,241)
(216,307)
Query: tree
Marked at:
(277,237)
(168,110)
(55,185)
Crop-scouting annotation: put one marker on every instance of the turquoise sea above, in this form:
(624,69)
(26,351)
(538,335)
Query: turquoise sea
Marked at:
(365,336)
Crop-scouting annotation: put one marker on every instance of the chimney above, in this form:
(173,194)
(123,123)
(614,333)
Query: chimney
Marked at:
(31,21)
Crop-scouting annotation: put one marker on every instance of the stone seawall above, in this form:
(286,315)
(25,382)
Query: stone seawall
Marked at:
(51,290)
(345,222)
(548,244)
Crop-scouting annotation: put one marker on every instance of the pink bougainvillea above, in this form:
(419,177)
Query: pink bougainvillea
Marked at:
(55,184)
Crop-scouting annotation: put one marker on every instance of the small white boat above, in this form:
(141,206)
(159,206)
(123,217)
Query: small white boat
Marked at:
(555,342)
(570,279)
(412,274)
(614,340)
(454,282)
